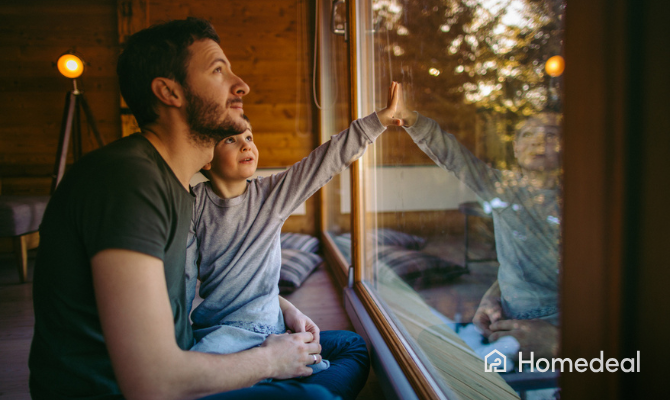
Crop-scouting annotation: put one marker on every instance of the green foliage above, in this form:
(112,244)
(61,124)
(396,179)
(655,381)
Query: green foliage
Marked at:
(472,56)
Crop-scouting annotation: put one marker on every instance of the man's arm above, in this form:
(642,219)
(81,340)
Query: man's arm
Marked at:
(137,323)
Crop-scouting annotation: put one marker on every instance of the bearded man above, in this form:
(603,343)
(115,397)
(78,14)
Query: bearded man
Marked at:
(111,318)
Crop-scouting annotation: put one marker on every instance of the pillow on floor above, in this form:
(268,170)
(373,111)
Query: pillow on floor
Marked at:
(417,269)
(299,241)
(343,243)
(296,266)
(390,237)
(385,237)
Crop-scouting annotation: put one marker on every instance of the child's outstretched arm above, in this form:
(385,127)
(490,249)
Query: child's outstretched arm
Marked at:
(445,150)
(289,189)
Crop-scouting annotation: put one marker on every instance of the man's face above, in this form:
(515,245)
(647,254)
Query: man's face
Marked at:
(213,94)
(537,145)
(235,157)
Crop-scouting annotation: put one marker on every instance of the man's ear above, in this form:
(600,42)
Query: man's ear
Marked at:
(168,92)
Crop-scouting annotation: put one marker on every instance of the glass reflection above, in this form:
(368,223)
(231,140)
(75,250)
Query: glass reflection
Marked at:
(463,208)
(523,202)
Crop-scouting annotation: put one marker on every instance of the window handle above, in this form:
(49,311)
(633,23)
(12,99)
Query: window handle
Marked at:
(339,29)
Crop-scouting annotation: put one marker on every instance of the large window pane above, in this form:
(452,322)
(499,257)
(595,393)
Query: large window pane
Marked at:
(463,210)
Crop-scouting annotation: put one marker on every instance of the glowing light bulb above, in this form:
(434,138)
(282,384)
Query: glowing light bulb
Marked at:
(70,66)
(434,71)
(555,66)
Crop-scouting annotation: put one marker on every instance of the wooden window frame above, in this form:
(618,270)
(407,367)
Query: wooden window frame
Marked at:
(597,124)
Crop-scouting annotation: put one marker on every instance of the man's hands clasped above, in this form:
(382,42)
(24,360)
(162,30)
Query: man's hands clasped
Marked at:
(290,353)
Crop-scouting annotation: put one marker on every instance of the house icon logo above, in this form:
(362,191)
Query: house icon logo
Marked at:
(495,361)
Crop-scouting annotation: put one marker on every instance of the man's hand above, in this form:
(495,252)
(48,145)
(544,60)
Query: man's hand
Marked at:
(489,311)
(290,353)
(534,335)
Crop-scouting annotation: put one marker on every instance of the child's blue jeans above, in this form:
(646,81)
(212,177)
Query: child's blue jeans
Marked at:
(349,367)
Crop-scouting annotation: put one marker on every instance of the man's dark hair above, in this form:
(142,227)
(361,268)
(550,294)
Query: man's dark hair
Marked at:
(158,51)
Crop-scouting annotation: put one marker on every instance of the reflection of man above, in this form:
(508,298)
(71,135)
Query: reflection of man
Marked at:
(523,302)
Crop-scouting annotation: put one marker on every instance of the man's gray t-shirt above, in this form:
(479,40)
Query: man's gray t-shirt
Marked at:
(237,242)
(123,196)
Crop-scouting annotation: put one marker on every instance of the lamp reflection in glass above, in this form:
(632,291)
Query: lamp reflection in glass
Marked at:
(555,66)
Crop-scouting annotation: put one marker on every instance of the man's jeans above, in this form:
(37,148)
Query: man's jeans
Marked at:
(349,367)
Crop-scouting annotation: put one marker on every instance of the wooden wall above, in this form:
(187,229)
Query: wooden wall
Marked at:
(269,43)
(32,92)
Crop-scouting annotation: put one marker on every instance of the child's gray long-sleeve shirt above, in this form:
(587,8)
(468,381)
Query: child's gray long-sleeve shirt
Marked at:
(526,222)
(237,242)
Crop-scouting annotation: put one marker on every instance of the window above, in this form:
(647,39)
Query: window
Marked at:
(334,104)
(464,224)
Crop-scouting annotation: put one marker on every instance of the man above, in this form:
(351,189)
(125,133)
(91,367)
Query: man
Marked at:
(523,302)
(111,319)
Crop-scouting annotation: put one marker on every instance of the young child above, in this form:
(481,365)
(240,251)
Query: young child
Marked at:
(236,229)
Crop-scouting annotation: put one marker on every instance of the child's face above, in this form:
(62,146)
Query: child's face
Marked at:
(235,158)
(537,145)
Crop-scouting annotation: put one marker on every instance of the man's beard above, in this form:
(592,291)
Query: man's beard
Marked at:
(203,119)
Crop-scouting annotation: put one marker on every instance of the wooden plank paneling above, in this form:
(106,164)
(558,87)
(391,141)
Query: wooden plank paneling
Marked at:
(32,37)
(269,43)
(133,16)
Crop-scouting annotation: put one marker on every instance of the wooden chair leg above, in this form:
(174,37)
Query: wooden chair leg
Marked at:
(21,252)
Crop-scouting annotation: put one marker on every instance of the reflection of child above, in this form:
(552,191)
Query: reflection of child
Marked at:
(523,302)
(236,235)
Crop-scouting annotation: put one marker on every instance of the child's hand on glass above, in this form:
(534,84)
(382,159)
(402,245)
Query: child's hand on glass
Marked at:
(396,112)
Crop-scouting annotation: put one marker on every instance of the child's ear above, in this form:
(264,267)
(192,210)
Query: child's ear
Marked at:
(207,166)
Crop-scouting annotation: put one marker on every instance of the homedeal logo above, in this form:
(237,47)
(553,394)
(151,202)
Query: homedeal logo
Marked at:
(495,361)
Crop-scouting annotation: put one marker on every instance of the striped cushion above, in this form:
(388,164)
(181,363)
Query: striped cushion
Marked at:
(416,268)
(385,237)
(299,241)
(343,243)
(296,266)
(390,237)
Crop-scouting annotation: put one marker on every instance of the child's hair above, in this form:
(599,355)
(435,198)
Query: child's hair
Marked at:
(248,123)
(206,172)
(541,119)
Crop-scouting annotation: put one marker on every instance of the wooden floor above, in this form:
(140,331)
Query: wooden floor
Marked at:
(16,329)
(318,298)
